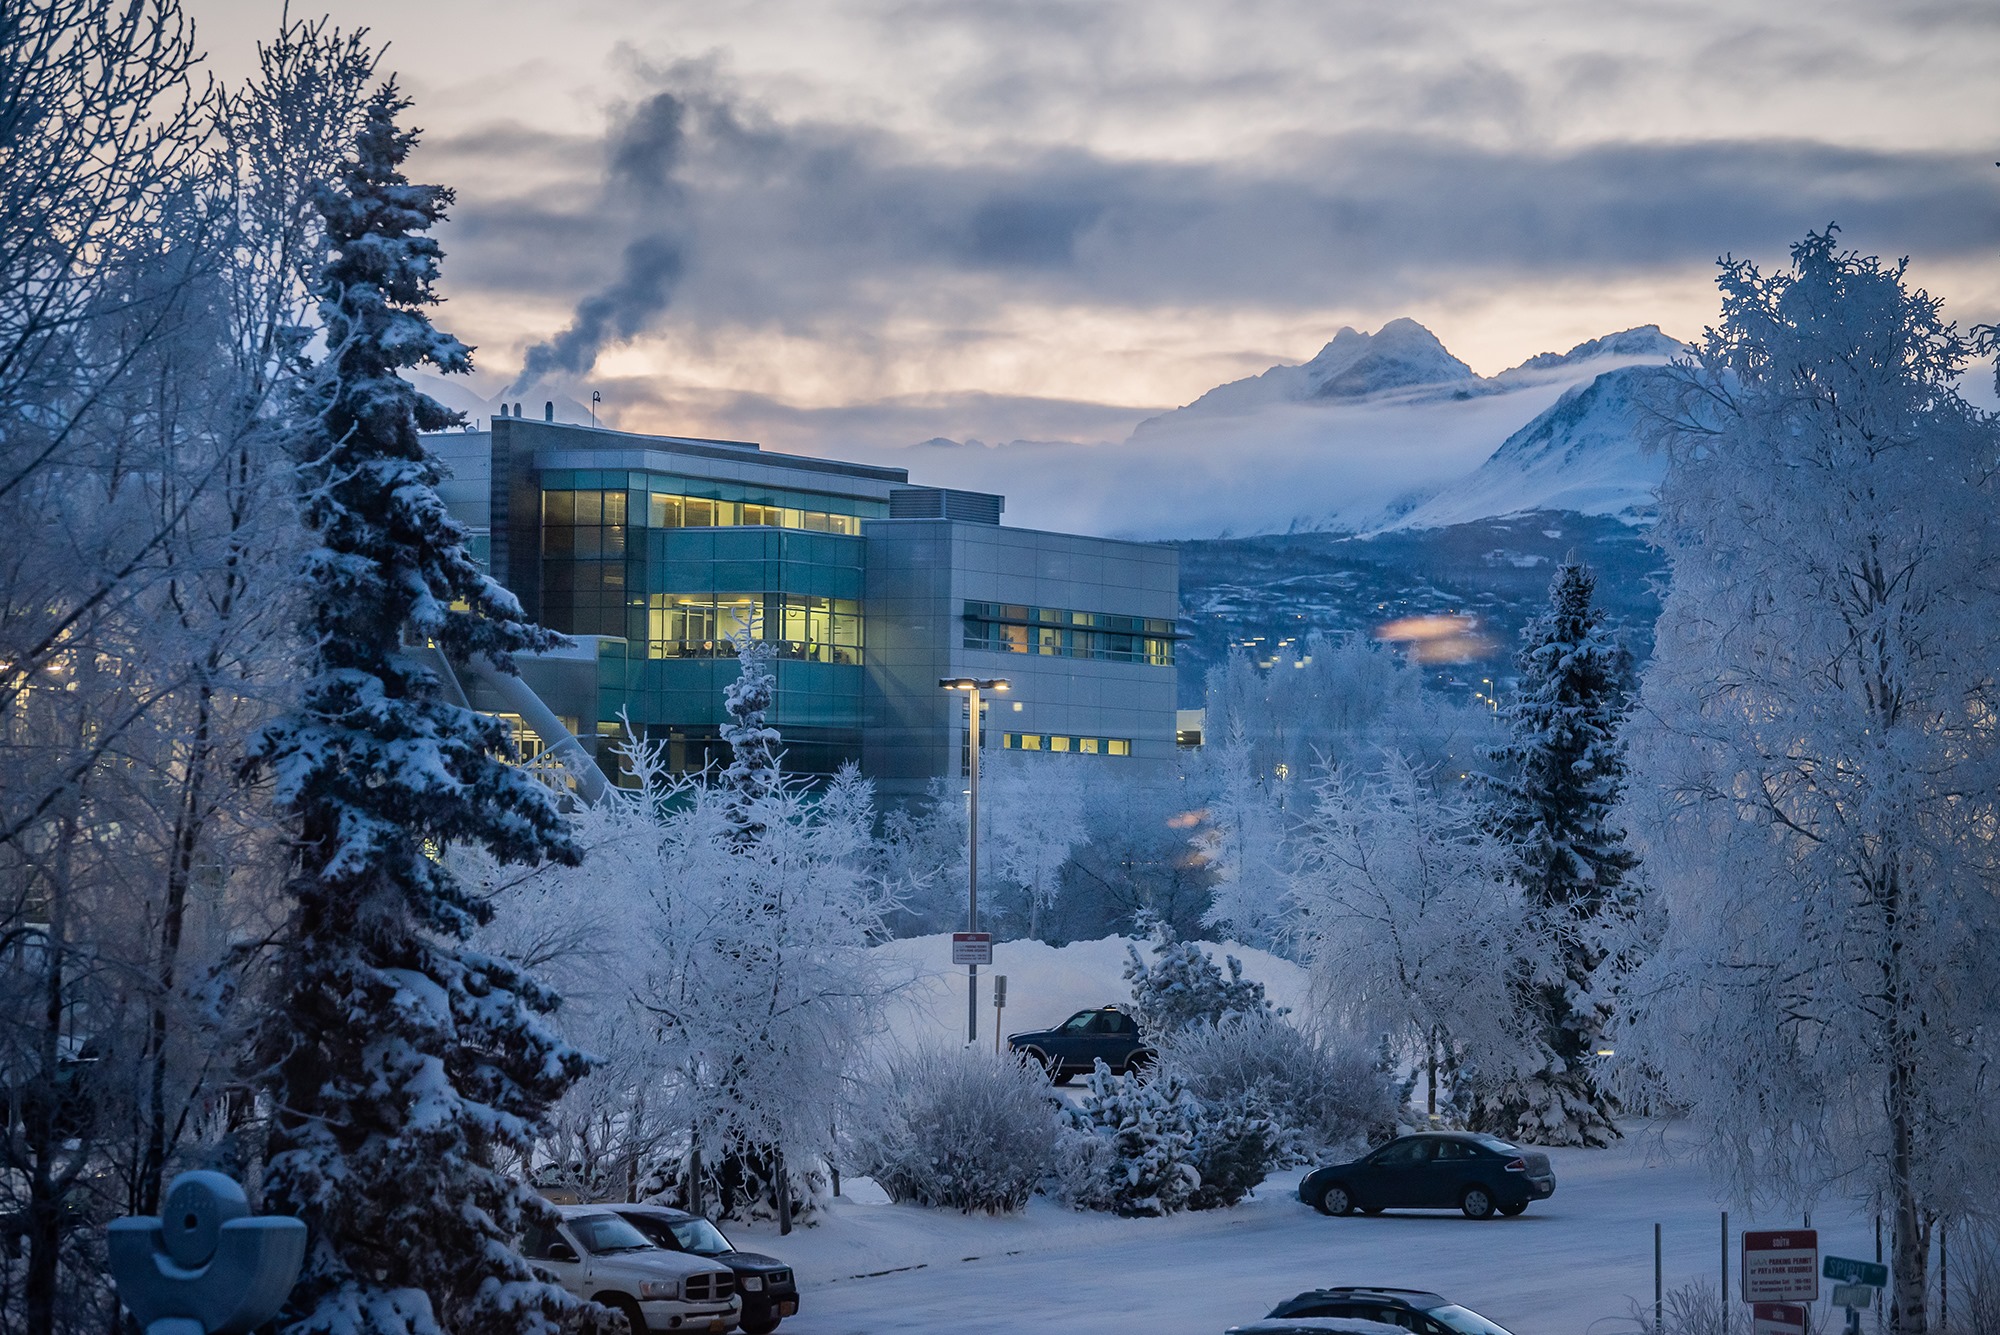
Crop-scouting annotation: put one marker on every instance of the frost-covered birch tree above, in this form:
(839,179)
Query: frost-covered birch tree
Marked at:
(1033,810)
(1247,838)
(154,259)
(1552,798)
(1409,923)
(1817,739)
(398,1062)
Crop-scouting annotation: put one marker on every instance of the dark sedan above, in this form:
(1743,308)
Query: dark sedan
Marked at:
(1434,1170)
(1075,1046)
(767,1286)
(1370,1311)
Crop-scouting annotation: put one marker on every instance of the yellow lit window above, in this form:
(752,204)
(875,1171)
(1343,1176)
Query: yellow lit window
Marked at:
(1058,743)
(1087,745)
(1118,746)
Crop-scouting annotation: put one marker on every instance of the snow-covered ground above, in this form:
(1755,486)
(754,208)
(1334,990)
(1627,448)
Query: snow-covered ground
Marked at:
(1571,1264)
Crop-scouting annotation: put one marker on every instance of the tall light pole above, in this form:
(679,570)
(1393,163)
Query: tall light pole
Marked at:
(972,686)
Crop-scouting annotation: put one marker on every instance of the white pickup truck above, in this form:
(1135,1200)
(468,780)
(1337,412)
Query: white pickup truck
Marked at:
(596,1255)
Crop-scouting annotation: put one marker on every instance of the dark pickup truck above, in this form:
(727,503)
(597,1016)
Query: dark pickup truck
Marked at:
(769,1290)
(1073,1047)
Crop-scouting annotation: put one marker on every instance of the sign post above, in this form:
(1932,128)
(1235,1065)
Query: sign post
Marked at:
(1855,1285)
(1781,1266)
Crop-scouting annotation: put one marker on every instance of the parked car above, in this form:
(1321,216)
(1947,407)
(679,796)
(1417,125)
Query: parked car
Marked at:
(769,1290)
(597,1255)
(1073,1047)
(1370,1311)
(1434,1170)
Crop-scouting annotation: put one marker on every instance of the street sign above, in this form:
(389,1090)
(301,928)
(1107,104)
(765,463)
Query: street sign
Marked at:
(1854,1295)
(1781,1266)
(972,947)
(1777,1319)
(1872,1273)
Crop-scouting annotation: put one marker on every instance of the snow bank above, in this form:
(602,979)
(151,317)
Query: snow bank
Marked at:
(1045,984)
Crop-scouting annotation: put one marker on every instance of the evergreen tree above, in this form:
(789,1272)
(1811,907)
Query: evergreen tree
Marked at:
(1560,776)
(1144,1140)
(1182,987)
(753,774)
(399,1063)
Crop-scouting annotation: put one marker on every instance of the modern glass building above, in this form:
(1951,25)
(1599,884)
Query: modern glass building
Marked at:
(654,551)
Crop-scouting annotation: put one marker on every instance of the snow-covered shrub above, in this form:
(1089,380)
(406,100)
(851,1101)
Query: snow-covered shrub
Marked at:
(1692,1309)
(1132,1146)
(1322,1093)
(1182,987)
(1236,1146)
(960,1130)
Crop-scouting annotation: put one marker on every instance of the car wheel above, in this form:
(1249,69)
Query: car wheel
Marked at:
(1140,1063)
(1477,1202)
(628,1312)
(1511,1210)
(762,1325)
(1335,1200)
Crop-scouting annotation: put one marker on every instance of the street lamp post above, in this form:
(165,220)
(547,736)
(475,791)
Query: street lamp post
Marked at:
(972,686)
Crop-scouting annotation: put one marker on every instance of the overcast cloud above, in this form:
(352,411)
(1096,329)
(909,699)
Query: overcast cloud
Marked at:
(875,223)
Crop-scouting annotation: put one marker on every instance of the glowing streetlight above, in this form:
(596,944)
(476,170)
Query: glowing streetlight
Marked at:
(972,686)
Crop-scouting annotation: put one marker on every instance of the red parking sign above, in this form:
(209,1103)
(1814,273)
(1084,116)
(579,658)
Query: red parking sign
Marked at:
(1781,1266)
(1777,1319)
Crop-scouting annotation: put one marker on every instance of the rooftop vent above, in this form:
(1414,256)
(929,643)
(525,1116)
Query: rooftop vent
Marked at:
(972,507)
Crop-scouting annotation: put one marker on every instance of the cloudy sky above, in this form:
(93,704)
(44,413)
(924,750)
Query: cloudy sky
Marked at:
(828,224)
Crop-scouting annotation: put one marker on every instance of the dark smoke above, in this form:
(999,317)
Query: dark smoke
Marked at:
(646,149)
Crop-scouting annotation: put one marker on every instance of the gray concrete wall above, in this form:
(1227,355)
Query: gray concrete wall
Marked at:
(920,575)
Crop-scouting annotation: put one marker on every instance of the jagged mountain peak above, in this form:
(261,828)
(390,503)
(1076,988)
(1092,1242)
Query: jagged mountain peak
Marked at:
(1401,354)
(1643,341)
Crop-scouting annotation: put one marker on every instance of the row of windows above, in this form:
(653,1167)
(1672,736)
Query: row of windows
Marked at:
(638,485)
(1063,616)
(699,625)
(1058,641)
(1042,741)
(569,518)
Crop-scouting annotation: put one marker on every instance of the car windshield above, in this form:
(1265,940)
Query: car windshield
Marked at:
(602,1234)
(700,1237)
(1465,1321)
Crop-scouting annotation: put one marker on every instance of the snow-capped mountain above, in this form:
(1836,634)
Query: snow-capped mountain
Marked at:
(1405,361)
(1586,454)
(1401,355)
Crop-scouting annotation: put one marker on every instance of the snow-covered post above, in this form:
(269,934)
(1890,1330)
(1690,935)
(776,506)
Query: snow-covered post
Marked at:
(204,1266)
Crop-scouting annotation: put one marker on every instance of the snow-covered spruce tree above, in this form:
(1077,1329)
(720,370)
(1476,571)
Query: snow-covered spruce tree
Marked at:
(1821,768)
(1553,794)
(1182,987)
(753,773)
(397,1061)
(1132,1146)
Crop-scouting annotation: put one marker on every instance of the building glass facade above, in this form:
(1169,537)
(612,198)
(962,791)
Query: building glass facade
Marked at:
(656,552)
